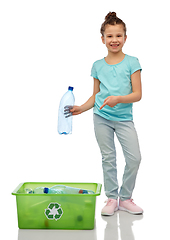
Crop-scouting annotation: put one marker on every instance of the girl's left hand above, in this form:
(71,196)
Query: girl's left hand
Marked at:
(111,101)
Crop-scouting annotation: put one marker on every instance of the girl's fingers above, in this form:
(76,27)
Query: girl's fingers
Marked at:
(104,104)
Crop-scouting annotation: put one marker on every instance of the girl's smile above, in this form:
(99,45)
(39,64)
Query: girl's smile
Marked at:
(114,45)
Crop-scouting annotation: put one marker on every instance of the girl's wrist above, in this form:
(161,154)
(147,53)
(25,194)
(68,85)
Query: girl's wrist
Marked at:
(119,99)
(83,108)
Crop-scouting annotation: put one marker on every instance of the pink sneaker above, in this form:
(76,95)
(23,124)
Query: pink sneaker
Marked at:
(130,206)
(110,208)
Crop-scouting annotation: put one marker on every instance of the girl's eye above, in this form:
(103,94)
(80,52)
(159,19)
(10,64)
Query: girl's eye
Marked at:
(119,36)
(109,36)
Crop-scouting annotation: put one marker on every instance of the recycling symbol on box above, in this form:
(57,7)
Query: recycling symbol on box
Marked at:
(54,211)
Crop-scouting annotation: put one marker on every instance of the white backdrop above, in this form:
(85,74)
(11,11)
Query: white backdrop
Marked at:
(46,46)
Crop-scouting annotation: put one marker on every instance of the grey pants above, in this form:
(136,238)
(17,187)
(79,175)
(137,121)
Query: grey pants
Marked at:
(127,136)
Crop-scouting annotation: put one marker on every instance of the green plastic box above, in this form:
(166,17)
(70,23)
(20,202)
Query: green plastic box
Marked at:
(56,211)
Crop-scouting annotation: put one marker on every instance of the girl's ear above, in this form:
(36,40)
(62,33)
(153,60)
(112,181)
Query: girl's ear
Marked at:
(125,38)
(102,39)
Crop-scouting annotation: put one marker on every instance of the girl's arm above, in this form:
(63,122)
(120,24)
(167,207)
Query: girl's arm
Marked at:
(135,96)
(90,102)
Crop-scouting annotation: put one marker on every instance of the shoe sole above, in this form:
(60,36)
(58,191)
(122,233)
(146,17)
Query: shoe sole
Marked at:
(110,214)
(126,210)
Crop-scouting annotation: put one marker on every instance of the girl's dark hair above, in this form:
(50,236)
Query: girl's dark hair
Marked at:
(112,19)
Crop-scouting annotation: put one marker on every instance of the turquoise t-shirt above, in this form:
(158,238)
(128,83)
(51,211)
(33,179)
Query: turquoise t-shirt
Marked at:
(115,80)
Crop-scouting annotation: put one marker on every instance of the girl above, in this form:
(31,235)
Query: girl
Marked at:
(117,84)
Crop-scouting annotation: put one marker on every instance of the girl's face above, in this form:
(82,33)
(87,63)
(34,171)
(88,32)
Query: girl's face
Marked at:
(114,38)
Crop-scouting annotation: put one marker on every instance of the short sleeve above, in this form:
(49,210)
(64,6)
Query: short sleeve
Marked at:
(94,72)
(135,65)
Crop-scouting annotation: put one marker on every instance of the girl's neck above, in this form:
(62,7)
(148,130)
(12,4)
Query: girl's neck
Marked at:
(114,58)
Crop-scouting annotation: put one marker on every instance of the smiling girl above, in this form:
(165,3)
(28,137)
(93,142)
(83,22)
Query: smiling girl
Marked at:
(117,85)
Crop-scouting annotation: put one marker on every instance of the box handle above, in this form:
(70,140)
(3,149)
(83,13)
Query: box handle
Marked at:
(99,186)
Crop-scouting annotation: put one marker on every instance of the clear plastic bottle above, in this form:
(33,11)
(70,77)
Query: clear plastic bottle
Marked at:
(28,190)
(39,190)
(62,189)
(64,115)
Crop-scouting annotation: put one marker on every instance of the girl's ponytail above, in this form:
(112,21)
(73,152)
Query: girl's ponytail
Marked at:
(110,15)
(111,19)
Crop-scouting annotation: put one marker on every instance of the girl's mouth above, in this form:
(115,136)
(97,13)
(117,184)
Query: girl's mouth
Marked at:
(114,45)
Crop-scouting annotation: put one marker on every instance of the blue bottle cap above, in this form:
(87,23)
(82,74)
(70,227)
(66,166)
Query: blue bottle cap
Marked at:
(70,88)
(46,190)
(85,192)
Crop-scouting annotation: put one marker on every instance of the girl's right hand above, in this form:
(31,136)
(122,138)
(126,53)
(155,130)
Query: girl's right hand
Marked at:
(76,110)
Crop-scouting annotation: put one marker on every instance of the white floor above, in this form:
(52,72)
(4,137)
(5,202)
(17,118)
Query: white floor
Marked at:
(119,226)
(153,224)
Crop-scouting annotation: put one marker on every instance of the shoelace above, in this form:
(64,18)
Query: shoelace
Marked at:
(109,201)
(131,201)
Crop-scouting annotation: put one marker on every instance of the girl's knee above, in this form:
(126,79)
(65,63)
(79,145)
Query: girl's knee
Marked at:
(139,158)
(137,161)
(134,161)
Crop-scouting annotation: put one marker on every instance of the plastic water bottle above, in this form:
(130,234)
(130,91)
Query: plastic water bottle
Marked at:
(65,120)
(43,190)
(62,189)
(28,190)
(39,190)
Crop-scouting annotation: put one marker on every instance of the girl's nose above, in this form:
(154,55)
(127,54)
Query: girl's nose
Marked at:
(114,39)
